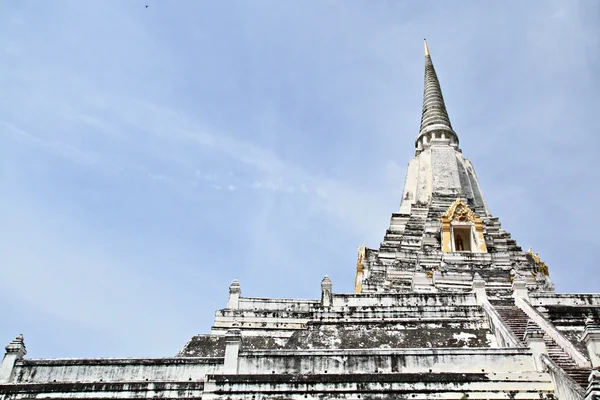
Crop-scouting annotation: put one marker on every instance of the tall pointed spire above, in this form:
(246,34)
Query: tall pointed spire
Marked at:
(435,117)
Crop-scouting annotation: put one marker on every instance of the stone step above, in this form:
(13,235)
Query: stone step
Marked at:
(579,375)
(517,321)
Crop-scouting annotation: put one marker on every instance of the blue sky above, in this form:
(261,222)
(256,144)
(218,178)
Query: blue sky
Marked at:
(150,156)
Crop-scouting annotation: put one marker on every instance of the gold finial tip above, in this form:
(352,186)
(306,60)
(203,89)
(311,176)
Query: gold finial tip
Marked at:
(426,48)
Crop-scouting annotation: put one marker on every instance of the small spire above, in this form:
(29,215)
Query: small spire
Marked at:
(435,116)
(17,346)
(235,287)
(235,291)
(326,292)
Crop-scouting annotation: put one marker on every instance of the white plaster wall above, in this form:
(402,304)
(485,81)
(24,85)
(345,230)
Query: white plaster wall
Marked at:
(466,184)
(424,179)
(276,315)
(571,299)
(476,187)
(115,370)
(446,179)
(256,332)
(249,303)
(411,299)
(436,169)
(409,194)
(417,312)
(263,320)
(273,320)
(498,386)
(475,258)
(265,314)
(386,361)
(110,390)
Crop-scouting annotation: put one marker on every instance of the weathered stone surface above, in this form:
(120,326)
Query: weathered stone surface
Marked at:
(388,335)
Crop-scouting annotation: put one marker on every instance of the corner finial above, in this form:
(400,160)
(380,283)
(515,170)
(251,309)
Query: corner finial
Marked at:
(426,48)
(235,291)
(326,292)
(17,346)
(235,287)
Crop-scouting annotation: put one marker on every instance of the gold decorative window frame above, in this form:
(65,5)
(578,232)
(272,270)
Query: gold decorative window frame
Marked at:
(459,214)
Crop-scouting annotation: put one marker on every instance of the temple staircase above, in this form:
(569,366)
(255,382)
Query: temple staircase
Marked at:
(517,321)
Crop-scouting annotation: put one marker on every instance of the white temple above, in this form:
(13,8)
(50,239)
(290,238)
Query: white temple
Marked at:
(447,307)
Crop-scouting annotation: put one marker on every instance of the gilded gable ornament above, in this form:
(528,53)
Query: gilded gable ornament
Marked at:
(459,211)
(540,266)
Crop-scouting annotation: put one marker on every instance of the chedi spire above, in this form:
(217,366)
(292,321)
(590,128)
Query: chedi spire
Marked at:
(435,123)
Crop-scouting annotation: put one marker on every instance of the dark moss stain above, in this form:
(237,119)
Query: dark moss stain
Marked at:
(387,335)
(457,378)
(70,387)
